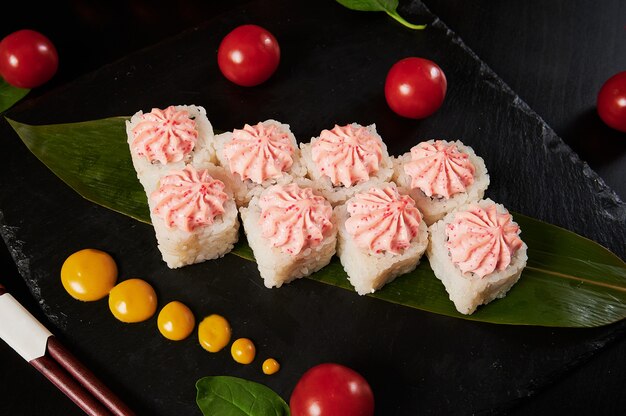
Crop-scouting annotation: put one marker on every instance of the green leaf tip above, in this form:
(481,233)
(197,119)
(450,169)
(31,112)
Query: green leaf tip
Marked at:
(93,159)
(9,95)
(232,396)
(388,6)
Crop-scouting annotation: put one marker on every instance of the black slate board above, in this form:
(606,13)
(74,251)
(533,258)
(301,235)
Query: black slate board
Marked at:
(332,71)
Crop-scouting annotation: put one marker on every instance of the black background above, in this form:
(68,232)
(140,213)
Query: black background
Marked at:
(555,56)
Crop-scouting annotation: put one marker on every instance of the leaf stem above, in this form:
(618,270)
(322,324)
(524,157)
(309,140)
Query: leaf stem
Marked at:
(400,19)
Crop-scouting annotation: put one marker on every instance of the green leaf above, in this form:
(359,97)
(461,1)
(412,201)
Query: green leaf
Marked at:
(232,396)
(387,6)
(9,95)
(93,159)
(370,5)
(569,281)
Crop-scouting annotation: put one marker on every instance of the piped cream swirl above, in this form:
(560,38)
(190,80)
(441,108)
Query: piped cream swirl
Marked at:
(189,199)
(347,154)
(259,152)
(481,240)
(164,136)
(294,218)
(382,220)
(439,169)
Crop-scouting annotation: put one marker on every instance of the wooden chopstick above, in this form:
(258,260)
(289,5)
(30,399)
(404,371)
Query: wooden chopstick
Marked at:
(72,389)
(67,373)
(86,378)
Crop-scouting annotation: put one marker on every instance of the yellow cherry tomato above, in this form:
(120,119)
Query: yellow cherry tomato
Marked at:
(270,366)
(243,351)
(89,274)
(132,301)
(214,333)
(176,321)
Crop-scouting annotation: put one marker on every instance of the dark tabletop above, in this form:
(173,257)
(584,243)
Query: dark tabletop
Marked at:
(555,55)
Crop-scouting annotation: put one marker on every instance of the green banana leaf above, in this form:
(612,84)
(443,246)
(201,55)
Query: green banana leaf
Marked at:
(569,281)
(9,95)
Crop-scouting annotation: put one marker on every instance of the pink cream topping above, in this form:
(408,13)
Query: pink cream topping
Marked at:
(347,154)
(482,240)
(188,199)
(259,152)
(164,135)
(294,218)
(382,220)
(439,169)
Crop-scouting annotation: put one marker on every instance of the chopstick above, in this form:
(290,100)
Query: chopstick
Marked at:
(44,351)
(64,382)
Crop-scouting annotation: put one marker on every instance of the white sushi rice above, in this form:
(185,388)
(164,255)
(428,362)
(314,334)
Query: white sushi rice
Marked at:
(367,271)
(244,190)
(200,157)
(180,248)
(467,290)
(276,267)
(433,209)
(339,194)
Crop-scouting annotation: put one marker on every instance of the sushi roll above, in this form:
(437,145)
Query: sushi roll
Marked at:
(346,160)
(381,236)
(194,216)
(259,156)
(291,230)
(477,253)
(441,176)
(164,140)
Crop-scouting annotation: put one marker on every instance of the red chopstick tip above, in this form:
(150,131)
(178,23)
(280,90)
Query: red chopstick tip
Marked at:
(2,290)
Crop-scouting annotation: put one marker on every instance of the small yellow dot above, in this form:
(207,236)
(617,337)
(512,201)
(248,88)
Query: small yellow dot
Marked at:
(243,351)
(89,274)
(214,333)
(270,366)
(133,300)
(176,321)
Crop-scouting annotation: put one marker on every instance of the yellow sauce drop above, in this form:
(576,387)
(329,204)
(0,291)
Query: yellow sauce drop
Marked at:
(214,333)
(176,321)
(270,366)
(132,301)
(89,274)
(243,351)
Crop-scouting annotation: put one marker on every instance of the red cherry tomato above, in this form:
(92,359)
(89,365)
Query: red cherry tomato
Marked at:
(331,390)
(612,102)
(27,59)
(415,87)
(248,55)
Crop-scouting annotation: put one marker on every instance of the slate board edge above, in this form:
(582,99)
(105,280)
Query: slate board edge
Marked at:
(549,136)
